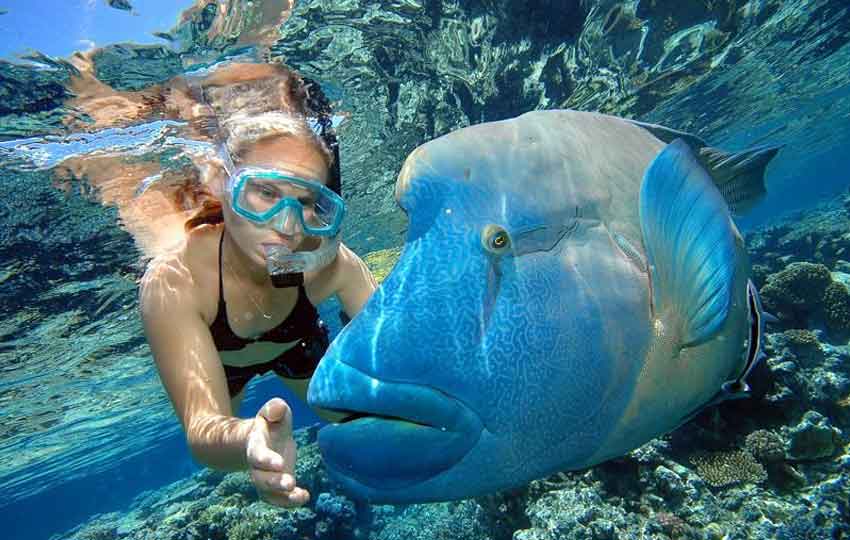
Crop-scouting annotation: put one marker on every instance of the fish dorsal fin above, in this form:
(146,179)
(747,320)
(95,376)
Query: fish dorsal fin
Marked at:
(690,243)
(738,175)
(668,135)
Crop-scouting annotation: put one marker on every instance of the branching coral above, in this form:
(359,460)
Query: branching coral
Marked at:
(729,467)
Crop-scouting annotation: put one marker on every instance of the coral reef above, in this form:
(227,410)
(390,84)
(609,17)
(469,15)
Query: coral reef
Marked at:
(817,235)
(579,513)
(804,375)
(813,438)
(337,517)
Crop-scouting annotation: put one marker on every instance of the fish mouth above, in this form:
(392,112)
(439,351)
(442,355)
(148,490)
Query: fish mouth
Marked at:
(395,434)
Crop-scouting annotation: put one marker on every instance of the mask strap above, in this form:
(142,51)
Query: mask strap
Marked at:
(320,105)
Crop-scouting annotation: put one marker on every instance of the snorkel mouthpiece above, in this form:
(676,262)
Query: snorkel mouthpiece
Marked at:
(287,267)
(282,267)
(281,281)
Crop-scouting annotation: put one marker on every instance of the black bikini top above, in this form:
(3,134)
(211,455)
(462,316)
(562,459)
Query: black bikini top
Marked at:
(301,322)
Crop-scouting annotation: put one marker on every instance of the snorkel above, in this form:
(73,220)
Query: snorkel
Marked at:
(286,268)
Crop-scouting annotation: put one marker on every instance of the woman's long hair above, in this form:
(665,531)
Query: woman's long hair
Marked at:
(162,197)
(210,213)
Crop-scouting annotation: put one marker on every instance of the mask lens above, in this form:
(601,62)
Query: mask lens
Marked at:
(323,212)
(260,195)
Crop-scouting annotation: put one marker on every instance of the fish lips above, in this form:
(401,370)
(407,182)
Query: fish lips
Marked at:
(398,434)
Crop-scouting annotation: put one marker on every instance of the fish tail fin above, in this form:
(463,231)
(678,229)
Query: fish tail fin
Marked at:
(739,175)
(690,241)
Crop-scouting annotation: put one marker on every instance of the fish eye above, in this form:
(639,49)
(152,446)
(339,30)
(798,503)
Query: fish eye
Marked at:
(495,239)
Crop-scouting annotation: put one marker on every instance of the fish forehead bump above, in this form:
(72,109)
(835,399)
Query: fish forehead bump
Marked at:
(564,152)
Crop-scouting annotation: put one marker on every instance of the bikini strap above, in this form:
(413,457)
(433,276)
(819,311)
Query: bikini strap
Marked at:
(220,280)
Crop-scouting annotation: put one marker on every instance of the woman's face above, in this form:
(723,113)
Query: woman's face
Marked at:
(297,156)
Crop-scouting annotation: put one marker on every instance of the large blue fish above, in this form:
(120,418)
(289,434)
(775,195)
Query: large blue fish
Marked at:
(572,285)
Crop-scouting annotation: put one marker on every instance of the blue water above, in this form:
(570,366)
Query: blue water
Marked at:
(66,504)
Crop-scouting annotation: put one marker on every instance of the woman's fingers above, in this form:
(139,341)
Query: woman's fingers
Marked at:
(270,445)
(259,452)
(273,482)
(276,411)
(297,497)
(279,489)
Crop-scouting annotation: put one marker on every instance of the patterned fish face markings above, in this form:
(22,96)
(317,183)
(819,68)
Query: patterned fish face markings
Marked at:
(516,334)
(512,332)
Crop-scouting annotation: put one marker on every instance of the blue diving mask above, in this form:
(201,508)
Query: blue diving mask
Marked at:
(282,201)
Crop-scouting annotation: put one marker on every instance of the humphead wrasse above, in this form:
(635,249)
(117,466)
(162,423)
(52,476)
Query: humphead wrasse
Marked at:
(572,285)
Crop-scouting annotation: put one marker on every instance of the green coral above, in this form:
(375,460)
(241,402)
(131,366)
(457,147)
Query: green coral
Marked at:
(382,262)
(237,483)
(797,337)
(804,291)
(260,521)
(214,521)
(309,468)
(836,307)
(795,288)
(729,467)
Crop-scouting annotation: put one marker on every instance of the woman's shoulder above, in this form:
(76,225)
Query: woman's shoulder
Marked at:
(330,279)
(200,249)
(184,273)
(346,260)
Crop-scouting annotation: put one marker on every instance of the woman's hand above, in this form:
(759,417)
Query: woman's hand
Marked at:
(271,456)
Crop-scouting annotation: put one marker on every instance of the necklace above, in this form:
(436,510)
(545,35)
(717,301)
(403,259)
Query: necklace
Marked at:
(250,297)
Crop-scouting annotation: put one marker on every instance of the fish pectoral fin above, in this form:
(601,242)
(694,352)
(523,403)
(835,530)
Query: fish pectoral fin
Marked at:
(690,243)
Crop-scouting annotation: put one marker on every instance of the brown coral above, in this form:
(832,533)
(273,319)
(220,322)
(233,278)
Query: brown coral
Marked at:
(793,292)
(766,446)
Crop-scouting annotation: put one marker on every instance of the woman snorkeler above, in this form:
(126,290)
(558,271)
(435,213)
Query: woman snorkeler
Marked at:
(236,298)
